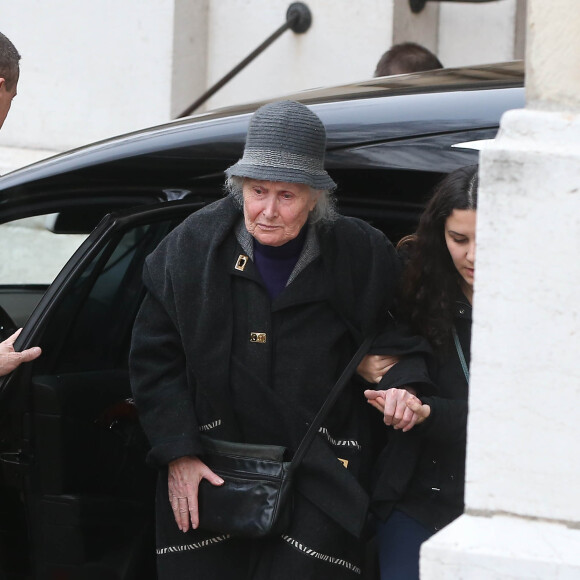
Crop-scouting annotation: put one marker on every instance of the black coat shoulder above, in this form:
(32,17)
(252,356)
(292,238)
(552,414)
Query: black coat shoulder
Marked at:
(204,231)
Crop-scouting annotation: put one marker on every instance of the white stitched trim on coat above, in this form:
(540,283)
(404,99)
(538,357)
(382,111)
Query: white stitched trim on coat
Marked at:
(324,557)
(339,442)
(190,547)
(211,425)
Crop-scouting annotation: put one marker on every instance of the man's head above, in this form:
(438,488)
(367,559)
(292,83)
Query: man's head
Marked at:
(9,73)
(406,57)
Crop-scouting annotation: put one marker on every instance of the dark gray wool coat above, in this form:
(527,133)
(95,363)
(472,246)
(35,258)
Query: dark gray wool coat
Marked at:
(194,370)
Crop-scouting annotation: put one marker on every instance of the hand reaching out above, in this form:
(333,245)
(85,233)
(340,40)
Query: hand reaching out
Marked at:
(10,359)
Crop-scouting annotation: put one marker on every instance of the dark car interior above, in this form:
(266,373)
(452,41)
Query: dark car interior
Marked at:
(90,481)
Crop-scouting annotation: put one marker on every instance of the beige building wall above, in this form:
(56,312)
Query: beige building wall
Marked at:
(91,70)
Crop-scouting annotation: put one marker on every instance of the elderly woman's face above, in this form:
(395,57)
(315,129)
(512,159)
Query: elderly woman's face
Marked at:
(274,212)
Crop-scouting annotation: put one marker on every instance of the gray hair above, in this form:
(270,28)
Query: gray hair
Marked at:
(9,59)
(324,211)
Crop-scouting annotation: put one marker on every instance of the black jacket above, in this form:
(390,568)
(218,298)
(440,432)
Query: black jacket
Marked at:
(422,472)
(194,369)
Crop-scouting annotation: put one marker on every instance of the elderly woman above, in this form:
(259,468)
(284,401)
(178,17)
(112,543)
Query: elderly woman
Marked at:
(254,306)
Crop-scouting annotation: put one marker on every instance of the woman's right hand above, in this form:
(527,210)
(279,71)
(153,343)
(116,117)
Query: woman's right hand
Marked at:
(184,477)
(400,407)
(373,367)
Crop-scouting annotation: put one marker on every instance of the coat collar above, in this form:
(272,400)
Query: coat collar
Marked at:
(313,284)
(310,251)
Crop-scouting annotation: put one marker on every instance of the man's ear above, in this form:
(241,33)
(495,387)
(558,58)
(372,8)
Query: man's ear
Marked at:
(2,83)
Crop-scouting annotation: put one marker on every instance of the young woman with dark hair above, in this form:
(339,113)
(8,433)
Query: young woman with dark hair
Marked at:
(420,479)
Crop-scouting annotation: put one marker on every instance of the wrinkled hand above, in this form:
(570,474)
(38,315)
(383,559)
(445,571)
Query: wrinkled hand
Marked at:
(373,367)
(422,411)
(10,359)
(401,409)
(184,477)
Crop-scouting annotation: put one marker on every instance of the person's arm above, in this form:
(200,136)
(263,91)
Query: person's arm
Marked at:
(447,420)
(11,359)
(162,393)
(373,367)
(400,374)
(416,359)
(440,418)
(395,406)
(165,402)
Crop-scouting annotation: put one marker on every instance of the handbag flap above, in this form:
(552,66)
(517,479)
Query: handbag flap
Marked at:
(249,450)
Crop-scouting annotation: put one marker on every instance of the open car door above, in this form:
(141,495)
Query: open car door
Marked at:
(76,498)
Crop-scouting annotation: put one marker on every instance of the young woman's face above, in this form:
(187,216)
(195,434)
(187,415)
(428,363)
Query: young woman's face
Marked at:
(460,239)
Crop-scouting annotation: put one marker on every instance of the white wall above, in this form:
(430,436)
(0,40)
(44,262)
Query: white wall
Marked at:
(89,69)
(190,62)
(344,43)
(476,33)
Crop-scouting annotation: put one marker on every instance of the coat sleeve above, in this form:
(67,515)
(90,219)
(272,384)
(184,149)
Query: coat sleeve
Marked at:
(365,268)
(448,420)
(159,382)
(417,359)
(367,295)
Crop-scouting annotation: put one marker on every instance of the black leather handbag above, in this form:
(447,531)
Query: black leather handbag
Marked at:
(256,498)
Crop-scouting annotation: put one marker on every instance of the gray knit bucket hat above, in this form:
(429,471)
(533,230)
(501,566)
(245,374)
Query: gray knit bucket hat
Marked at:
(285,142)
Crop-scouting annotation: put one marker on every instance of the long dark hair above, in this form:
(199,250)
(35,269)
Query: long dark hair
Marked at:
(430,280)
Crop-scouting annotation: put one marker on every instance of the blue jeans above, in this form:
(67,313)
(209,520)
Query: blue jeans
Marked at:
(398,541)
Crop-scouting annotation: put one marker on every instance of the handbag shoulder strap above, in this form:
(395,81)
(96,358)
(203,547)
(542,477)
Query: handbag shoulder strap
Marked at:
(460,354)
(329,402)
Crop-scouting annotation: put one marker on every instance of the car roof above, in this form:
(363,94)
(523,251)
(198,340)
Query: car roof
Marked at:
(356,116)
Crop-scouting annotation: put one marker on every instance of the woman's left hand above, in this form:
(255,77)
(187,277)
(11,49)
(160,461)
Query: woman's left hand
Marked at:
(373,367)
(401,409)
(184,477)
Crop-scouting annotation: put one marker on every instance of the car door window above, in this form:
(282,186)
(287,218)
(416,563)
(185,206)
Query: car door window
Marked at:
(32,253)
(31,256)
(92,325)
(87,484)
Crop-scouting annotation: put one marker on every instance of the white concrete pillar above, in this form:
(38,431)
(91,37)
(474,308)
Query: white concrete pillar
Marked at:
(522,515)
(422,28)
(477,33)
(189,54)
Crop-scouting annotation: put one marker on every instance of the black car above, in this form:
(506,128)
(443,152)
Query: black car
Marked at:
(75,494)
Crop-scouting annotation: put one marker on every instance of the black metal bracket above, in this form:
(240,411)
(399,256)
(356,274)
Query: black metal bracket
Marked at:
(418,5)
(298,19)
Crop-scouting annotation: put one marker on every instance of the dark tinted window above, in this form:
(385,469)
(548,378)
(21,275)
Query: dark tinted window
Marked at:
(91,327)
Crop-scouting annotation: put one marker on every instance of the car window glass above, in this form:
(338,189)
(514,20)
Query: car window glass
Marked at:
(30,253)
(90,329)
